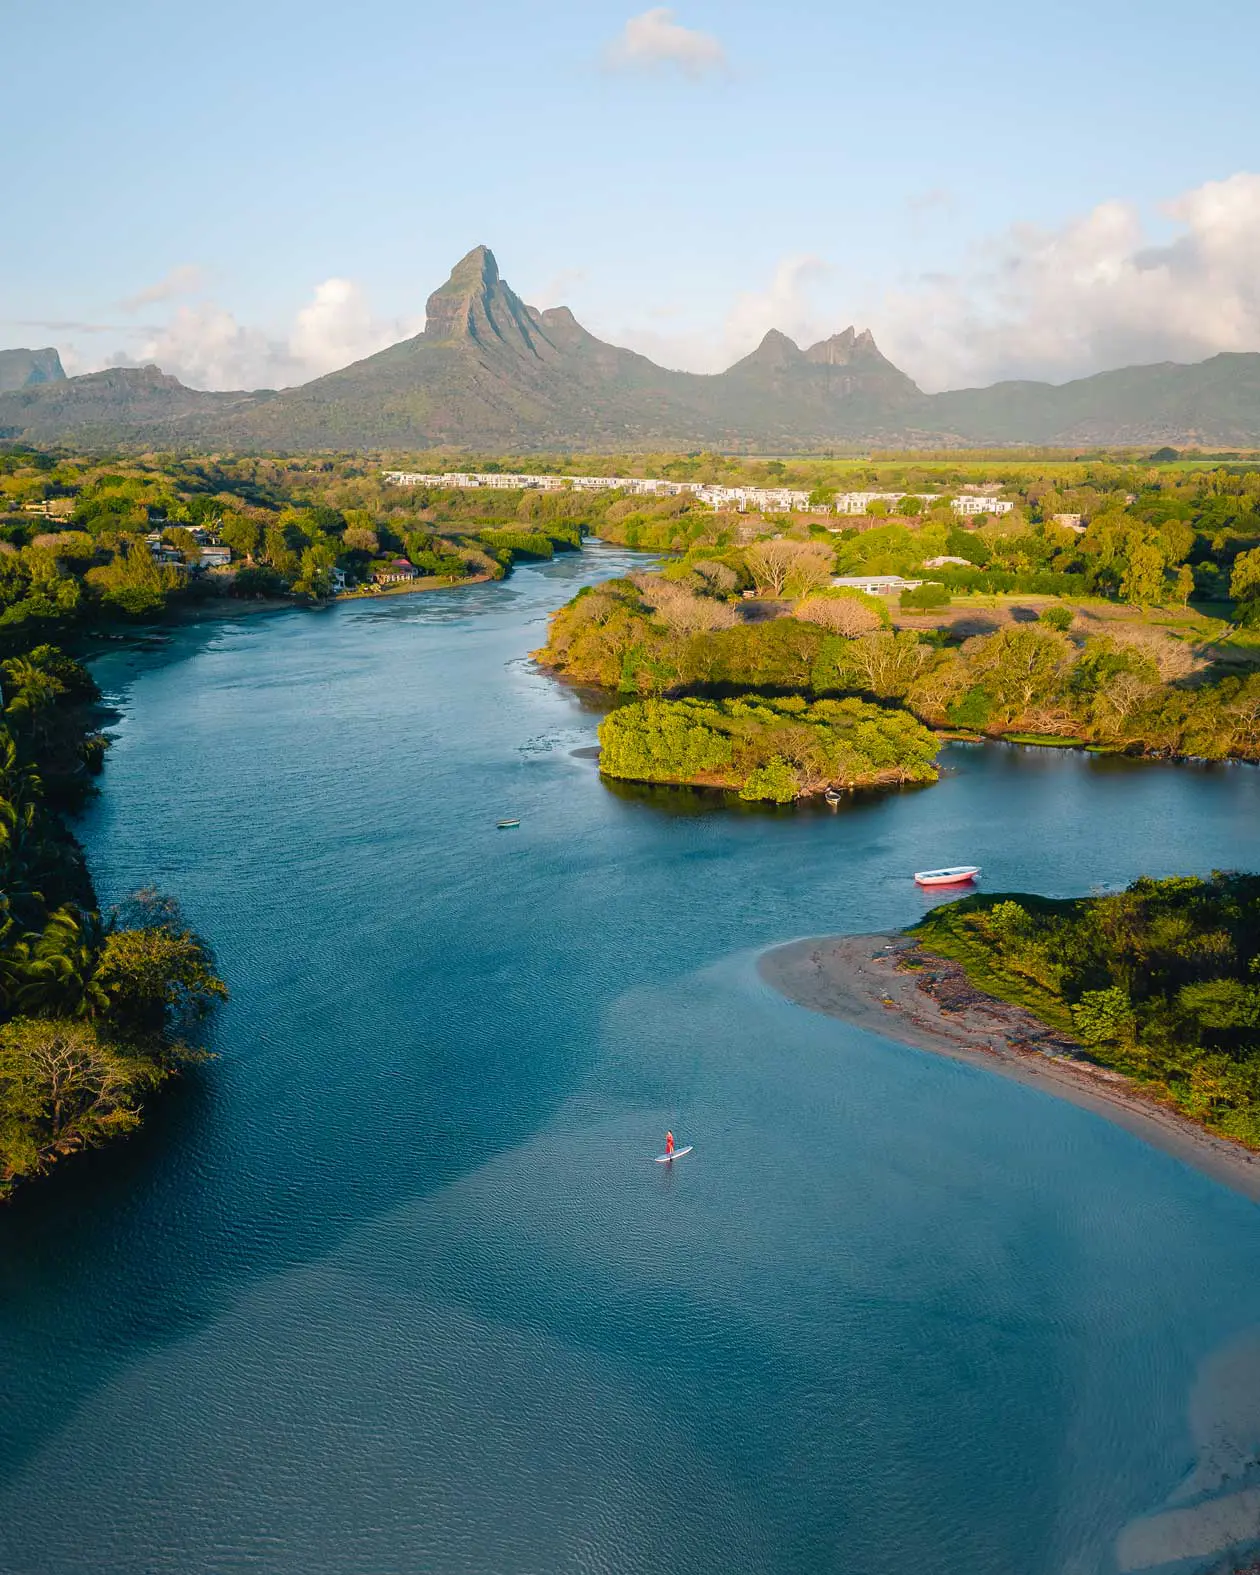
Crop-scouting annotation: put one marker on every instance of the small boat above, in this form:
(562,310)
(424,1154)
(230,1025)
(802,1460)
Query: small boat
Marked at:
(832,796)
(956,875)
(506,825)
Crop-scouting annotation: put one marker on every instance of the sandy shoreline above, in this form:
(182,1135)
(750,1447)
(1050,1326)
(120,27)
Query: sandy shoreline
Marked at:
(862,980)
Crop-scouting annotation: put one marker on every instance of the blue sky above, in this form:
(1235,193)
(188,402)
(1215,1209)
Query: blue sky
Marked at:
(255,192)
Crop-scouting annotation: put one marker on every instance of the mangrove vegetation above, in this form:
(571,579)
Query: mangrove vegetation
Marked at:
(1160,982)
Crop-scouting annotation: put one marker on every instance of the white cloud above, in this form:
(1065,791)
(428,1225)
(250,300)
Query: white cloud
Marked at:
(653,39)
(205,346)
(338,328)
(184,280)
(1090,295)
(785,303)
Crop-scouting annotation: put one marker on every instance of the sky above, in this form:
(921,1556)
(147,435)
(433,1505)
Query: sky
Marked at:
(256,192)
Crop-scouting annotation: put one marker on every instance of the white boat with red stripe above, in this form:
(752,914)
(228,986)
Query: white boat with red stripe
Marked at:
(955,875)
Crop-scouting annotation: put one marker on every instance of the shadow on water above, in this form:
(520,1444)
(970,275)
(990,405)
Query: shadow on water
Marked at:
(684,801)
(75,1269)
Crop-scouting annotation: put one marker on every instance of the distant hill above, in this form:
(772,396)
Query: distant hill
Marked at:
(1213,403)
(490,372)
(25,368)
(122,406)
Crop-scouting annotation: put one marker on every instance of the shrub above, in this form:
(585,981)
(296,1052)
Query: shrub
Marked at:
(844,610)
(925,597)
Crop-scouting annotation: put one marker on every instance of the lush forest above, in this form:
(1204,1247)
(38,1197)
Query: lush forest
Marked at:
(1145,534)
(766,749)
(96,1009)
(1124,687)
(1161,982)
(1114,605)
(85,539)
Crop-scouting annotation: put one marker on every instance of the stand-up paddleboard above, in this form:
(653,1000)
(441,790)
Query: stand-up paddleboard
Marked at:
(668,1159)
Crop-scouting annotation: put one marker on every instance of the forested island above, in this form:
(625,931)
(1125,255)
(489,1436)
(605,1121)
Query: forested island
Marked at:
(766,748)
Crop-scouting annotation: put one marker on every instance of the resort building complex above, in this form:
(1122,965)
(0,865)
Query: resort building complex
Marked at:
(763,500)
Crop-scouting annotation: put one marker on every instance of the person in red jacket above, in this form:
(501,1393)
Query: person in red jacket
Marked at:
(669,1144)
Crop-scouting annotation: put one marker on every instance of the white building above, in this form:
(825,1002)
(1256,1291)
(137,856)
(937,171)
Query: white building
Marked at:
(859,502)
(876,584)
(763,500)
(970,503)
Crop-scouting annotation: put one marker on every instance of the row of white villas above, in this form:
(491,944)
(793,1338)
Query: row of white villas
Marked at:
(764,500)
(770,500)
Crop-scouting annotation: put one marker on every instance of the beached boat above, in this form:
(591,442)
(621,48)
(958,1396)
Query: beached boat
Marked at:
(956,875)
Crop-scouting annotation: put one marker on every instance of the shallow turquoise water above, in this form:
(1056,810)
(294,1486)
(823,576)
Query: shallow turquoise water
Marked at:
(392,1285)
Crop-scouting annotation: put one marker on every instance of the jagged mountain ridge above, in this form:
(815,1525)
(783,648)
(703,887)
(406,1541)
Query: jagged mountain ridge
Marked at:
(489,372)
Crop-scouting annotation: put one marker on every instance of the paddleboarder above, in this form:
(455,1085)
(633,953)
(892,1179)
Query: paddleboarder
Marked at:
(669,1145)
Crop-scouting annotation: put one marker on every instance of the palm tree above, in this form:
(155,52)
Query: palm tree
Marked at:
(48,972)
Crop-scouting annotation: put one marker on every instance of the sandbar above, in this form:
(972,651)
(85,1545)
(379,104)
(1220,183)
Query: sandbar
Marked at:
(889,985)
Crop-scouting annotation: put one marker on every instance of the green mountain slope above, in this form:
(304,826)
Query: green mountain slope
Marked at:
(122,405)
(1212,402)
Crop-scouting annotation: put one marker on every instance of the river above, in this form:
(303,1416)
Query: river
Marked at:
(392,1285)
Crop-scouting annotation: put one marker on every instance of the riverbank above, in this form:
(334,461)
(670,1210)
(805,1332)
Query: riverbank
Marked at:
(361,593)
(887,984)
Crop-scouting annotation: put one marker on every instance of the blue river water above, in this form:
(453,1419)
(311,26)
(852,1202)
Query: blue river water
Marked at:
(392,1285)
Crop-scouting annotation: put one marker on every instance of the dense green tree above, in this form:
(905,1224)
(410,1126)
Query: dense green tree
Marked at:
(1143,578)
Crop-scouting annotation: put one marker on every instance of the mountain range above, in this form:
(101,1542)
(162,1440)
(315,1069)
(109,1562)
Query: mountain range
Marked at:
(491,373)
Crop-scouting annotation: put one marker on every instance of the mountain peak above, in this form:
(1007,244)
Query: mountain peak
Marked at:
(477,266)
(476,306)
(844,348)
(29,368)
(775,350)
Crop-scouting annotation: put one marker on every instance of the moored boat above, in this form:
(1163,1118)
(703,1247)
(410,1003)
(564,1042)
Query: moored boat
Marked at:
(955,875)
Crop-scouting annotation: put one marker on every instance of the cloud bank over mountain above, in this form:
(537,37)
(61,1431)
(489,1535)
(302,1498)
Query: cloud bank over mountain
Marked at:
(205,346)
(1052,304)
(1096,293)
